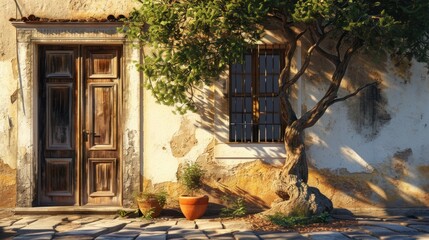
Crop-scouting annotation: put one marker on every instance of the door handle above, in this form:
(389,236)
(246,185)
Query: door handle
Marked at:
(86,133)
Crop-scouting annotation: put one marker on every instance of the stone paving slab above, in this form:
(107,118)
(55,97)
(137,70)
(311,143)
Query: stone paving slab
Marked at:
(209,225)
(421,228)
(378,231)
(222,234)
(42,235)
(149,235)
(184,224)
(110,223)
(187,234)
(45,224)
(236,225)
(280,235)
(326,235)
(73,237)
(15,227)
(137,224)
(122,234)
(397,237)
(422,237)
(26,220)
(93,231)
(160,226)
(245,235)
(392,226)
(7,222)
(359,235)
(86,220)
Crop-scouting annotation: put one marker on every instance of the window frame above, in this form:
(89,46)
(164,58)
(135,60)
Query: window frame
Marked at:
(256,95)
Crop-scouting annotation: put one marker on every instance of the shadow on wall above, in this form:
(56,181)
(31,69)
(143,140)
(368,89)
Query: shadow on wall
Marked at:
(360,191)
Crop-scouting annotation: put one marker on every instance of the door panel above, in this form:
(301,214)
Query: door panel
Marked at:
(57,106)
(59,115)
(103,98)
(101,150)
(78,112)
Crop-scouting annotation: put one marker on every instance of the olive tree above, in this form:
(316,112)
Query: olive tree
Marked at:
(192,42)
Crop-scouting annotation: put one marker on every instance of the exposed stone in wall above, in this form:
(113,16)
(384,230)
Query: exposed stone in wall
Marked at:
(7,186)
(131,169)
(183,140)
(399,162)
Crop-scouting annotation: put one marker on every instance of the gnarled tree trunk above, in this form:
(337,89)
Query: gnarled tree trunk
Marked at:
(296,197)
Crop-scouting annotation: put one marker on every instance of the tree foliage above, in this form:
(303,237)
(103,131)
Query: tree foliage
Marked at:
(194,41)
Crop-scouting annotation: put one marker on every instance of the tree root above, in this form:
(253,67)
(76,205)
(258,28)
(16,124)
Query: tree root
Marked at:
(297,198)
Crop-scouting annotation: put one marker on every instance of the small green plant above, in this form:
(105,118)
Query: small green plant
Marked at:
(161,197)
(294,220)
(191,176)
(123,213)
(148,215)
(236,208)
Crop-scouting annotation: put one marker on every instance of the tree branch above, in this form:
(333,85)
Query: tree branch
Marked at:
(353,93)
(310,118)
(339,44)
(301,71)
(331,57)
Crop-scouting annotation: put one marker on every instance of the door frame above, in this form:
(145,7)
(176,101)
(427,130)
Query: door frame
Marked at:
(81,170)
(29,36)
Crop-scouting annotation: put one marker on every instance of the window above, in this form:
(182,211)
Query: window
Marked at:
(254,101)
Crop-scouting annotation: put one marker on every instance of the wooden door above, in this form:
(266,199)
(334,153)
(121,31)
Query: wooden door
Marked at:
(101,129)
(78,130)
(57,118)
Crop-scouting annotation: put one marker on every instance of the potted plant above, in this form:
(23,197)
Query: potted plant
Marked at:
(192,206)
(151,203)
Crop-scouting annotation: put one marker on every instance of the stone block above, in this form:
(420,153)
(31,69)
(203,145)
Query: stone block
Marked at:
(26,220)
(152,235)
(73,237)
(137,224)
(187,234)
(6,222)
(392,226)
(122,234)
(359,235)
(378,231)
(420,227)
(237,225)
(209,225)
(327,235)
(41,235)
(245,235)
(160,226)
(224,234)
(92,231)
(185,224)
(86,220)
(280,235)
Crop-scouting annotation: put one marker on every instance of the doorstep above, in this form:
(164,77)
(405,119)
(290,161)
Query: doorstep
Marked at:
(49,210)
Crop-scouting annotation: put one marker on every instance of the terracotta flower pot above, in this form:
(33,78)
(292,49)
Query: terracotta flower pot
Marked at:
(193,207)
(149,205)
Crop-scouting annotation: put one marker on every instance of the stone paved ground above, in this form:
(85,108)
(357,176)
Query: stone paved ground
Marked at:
(109,227)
